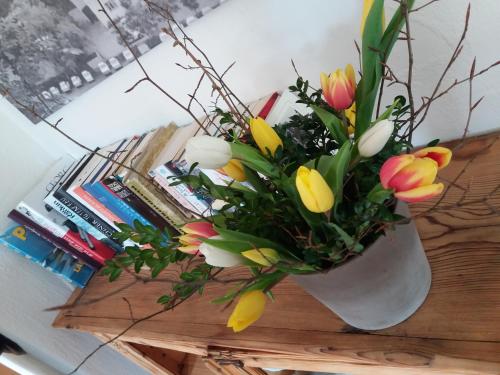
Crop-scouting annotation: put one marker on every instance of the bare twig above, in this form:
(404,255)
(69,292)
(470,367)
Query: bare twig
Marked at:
(423,6)
(147,77)
(427,104)
(405,10)
(129,309)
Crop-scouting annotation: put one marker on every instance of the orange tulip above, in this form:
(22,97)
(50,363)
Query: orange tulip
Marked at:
(339,88)
(412,176)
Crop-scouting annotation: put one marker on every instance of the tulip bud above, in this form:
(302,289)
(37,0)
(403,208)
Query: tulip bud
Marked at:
(313,190)
(235,170)
(263,256)
(264,135)
(339,88)
(218,257)
(374,139)
(218,204)
(208,152)
(202,229)
(194,231)
(248,310)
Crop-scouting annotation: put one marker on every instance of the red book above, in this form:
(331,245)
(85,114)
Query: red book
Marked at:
(70,242)
(268,106)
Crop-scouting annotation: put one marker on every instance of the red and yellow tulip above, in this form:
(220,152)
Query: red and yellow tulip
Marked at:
(412,176)
(339,88)
(193,233)
(441,155)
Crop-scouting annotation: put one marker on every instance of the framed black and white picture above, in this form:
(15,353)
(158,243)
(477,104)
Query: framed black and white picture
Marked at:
(51,51)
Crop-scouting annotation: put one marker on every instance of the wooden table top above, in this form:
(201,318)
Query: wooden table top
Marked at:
(456,331)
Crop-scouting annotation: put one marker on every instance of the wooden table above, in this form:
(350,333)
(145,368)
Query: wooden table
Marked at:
(456,331)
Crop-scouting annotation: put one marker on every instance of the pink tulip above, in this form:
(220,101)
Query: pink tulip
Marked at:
(339,88)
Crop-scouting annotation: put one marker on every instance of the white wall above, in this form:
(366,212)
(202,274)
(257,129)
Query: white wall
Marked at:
(25,288)
(262,36)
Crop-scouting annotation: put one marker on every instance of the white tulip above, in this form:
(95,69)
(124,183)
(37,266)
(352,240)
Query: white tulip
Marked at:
(219,258)
(374,139)
(209,152)
(218,204)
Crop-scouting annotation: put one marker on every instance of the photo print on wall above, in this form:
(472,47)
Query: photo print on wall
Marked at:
(52,51)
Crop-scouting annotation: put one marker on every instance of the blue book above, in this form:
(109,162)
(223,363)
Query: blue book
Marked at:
(117,206)
(30,245)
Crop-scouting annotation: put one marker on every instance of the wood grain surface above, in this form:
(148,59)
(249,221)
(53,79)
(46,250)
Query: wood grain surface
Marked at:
(456,331)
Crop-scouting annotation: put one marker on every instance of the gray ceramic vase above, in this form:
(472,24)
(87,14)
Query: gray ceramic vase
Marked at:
(380,288)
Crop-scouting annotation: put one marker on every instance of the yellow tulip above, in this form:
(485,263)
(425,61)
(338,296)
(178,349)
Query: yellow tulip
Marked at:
(248,310)
(265,136)
(263,256)
(367,5)
(235,170)
(313,190)
(350,114)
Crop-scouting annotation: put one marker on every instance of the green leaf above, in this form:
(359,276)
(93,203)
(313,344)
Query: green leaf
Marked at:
(226,297)
(378,194)
(157,268)
(231,246)
(253,159)
(332,123)
(115,274)
(164,299)
(376,47)
(392,30)
(312,219)
(267,281)
(138,265)
(367,89)
(433,143)
(388,111)
(348,240)
(334,168)
(254,180)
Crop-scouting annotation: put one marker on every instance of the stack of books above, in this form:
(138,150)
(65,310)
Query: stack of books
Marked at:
(68,221)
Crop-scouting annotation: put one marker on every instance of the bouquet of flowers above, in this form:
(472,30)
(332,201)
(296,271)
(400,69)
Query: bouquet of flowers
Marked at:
(307,195)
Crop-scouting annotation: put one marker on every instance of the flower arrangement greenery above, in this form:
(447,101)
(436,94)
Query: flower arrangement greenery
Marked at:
(307,196)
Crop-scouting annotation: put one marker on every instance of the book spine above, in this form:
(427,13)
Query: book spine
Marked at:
(180,192)
(99,233)
(95,249)
(95,204)
(156,204)
(123,192)
(40,219)
(115,204)
(77,220)
(56,241)
(83,212)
